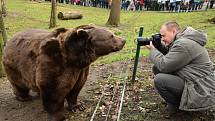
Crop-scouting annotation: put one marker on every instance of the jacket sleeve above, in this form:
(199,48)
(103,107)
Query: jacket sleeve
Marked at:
(177,58)
(163,49)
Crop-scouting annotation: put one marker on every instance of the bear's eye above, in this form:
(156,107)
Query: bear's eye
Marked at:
(111,36)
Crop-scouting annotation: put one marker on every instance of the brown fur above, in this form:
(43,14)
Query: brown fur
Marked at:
(56,64)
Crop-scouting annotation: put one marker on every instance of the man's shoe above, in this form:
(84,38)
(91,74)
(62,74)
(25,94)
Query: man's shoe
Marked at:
(171,109)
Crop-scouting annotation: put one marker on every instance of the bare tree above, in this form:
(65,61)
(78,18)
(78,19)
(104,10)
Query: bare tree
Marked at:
(3,38)
(53,14)
(114,18)
(3,34)
(3,7)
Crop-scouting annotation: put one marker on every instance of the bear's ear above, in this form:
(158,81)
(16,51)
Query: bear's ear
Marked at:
(57,31)
(82,34)
(78,35)
(50,47)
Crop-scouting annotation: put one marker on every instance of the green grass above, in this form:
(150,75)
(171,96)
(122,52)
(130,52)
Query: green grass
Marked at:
(24,14)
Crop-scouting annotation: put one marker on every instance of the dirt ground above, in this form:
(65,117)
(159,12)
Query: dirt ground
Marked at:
(141,101)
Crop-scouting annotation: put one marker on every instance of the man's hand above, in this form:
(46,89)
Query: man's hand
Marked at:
(156,41)
(151,46)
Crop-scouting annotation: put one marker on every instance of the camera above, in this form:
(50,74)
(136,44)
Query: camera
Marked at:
(156,39)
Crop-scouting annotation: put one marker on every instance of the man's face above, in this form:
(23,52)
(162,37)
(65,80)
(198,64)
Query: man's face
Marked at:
(167,35)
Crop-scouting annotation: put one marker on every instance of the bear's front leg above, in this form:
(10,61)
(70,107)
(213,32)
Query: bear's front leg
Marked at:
(71,97)
(73,105)
(53,103)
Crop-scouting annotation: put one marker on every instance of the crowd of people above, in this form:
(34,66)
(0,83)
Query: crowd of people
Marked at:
(166,5)
(154,5)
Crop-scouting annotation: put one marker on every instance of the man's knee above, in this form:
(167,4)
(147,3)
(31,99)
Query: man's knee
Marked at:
(158,80)
(155,70)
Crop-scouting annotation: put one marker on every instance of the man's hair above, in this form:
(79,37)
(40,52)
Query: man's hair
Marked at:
(172,24)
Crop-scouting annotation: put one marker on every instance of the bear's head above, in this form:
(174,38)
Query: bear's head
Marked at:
(104,41)
(86,43)
(100,40)
(82,45)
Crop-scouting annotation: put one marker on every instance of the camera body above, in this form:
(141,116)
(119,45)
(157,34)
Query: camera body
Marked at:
(156,38)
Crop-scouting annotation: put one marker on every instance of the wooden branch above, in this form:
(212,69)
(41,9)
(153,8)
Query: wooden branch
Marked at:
(69,15)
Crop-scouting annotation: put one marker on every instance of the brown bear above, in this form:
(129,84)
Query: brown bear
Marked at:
(55,64)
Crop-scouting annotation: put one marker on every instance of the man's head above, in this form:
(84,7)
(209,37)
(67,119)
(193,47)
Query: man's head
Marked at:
(168,31)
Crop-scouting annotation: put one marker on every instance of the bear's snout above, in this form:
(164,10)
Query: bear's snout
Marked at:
(123,41)
(120,45)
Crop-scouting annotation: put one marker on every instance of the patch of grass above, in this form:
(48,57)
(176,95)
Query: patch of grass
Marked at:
(24,14)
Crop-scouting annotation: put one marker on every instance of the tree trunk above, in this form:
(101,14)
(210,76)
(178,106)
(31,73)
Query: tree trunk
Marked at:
(3,7)
(3,31)
(69,15)
(3,38)
(53,14)
(114,18)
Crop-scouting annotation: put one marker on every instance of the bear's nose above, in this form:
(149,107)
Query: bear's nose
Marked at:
(123,41)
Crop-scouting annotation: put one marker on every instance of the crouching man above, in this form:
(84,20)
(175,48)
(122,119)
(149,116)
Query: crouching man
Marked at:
(183,71)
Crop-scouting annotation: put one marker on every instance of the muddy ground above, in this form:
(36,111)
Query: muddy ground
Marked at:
(141,101)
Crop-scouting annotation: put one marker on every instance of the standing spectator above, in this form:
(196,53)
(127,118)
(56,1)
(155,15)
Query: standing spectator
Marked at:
(154,5)
(147,4)
(167,5)
(195,3)
(172,5)
(201,4)
(191,4)
(161,5)
(185,5)
(178,5)
(212,3)
(93,3)
(127,3)
(139,4)
(131,6)
(102,3)
(123,5)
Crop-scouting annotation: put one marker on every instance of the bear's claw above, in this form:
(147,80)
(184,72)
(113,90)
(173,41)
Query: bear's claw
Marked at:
(76,107)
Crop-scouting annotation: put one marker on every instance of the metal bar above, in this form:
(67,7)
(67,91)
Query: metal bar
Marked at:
(97,106)
(113,97)
(137,56)
(123,93)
